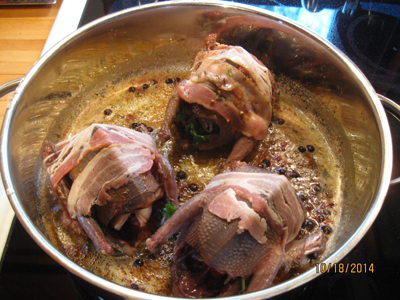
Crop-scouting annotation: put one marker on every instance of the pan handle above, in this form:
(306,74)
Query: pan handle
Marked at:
(394,109)
(10,86)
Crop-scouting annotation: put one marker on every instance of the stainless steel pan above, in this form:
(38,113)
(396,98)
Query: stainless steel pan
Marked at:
(79,64)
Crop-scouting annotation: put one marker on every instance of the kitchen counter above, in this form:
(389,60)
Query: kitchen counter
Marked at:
(24,30)
(27,31)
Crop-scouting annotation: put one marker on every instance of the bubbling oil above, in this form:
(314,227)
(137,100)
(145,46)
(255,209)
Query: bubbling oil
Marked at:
(315,173)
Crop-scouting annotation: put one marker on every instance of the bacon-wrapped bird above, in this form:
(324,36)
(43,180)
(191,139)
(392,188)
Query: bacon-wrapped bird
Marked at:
(105,174)
(241,227)
(226,99)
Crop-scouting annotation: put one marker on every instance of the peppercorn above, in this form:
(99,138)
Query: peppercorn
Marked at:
(145,86)
(265,163)
(151,257)
(169,81)
(326,229)
(280,121)
(108,112)
(193,187)
(153,82)
(309,225)
(135,286)
(310,148)
(135,125)
(302,149)
(132,89)
(181,175)
(138,263)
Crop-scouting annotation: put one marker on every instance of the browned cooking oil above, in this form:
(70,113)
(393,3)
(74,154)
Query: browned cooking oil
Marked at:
(295,147)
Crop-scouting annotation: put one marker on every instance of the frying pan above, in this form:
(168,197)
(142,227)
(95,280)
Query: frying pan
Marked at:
(167,35)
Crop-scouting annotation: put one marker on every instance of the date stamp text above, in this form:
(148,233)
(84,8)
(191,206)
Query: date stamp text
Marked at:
(355,268)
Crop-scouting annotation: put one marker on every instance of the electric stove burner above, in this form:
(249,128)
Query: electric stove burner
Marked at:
(372,41)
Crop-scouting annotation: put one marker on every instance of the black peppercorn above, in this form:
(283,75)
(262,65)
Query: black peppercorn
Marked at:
(280,121)
(169,81)
(136,125)
(145,86)
(151,257)
(302,149)
(265,163)
(310,148)
(193,187)
(132,89)
(108,112)
(326,229)
(181,175)
(138,263)
(309,225)
(135,286)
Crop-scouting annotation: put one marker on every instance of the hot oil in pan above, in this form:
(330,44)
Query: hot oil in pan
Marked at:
(298,146)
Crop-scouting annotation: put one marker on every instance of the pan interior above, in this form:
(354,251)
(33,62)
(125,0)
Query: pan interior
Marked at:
(326,106)
(300,119)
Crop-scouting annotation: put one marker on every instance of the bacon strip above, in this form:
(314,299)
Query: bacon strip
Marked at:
(233,84)
(69,153)
(112,167)
(227,207)
(276,189)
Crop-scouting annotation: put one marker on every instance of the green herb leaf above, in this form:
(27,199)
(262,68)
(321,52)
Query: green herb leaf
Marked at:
(230,72)
(194,130)
(169,210)
(243,284)
(180,116)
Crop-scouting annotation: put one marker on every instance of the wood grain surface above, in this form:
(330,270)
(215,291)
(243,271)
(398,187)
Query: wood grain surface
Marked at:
(23,33)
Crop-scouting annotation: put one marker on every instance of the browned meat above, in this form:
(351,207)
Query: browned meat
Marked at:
(226,99)
(105,174)
(238,227)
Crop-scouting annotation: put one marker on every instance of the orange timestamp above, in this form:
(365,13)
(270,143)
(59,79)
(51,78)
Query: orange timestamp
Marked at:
(355,268)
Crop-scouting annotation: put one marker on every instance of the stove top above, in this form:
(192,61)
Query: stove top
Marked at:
(369,33)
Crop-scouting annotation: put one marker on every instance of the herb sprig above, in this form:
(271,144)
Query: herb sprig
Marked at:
(169,210)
